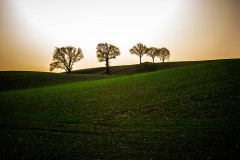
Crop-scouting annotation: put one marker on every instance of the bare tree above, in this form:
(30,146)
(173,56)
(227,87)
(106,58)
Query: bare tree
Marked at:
(64,58)
(152,52)
(139,50)
(105,52)
(164,54)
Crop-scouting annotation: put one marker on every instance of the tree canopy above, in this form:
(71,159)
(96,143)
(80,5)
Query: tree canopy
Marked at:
(105,52)
(139,50)
(164,54)
(152,52)
(64,57)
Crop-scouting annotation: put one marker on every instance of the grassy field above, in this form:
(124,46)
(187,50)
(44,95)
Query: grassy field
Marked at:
(189,112)
(15,80)
(136,68)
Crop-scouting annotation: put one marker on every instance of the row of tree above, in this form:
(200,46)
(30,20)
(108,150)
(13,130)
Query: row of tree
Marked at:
(140,50)
(65,57)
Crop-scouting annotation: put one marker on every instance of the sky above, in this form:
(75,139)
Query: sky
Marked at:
(191,29)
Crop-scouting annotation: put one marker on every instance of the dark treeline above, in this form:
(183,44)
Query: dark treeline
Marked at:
(65,57)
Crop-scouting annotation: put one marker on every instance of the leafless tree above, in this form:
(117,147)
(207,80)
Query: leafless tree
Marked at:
(152,52)
(139,50)
(64,58)
(105,52)
(164,54)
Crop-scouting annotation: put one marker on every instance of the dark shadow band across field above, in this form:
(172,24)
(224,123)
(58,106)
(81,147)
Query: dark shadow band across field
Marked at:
(15,80)
(139,68)
(190,112)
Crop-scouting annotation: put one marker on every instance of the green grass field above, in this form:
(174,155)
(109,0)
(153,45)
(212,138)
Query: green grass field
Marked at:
(175,112)
(136,68)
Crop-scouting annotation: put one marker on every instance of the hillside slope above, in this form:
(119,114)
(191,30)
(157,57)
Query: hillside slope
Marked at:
(15,80)
(189,112)
(138,68)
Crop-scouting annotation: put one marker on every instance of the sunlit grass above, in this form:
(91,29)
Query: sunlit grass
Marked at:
(190,112)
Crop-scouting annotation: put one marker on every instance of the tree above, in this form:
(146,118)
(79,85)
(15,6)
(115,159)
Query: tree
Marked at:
(105,52)
(64,58)
(164,54)
(139,50)
(152,52)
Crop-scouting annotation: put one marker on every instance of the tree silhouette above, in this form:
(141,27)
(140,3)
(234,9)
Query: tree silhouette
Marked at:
(152,52)
(139,50)
(105,52)
(64,58)
(164,54)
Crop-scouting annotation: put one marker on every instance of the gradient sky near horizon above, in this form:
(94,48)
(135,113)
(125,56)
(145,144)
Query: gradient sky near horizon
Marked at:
(191,29)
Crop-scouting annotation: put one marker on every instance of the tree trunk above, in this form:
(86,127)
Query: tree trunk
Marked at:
(107,66)
(153,60)
(140,59)
(68,71)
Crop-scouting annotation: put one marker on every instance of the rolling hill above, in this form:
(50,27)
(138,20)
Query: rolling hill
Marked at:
(139,68)
(14,80)
(189,112)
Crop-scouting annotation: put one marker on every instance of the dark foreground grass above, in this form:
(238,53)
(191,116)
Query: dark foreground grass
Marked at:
(138,68)
(185,113)
(15,80)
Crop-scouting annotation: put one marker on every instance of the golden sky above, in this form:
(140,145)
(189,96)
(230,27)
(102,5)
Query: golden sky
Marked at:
(191,29)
